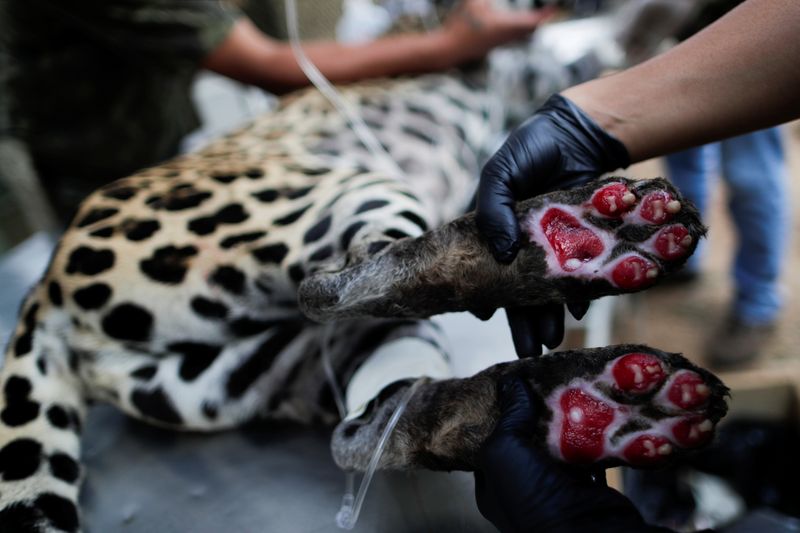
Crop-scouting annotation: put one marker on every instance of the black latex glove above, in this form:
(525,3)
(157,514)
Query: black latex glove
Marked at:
(520,489)
(557,148)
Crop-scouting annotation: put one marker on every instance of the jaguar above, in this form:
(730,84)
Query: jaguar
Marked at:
(284,272)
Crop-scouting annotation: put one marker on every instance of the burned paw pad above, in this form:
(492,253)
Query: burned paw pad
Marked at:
(628,233)
(613,200)
(638,373)
(572,242)
(638,411)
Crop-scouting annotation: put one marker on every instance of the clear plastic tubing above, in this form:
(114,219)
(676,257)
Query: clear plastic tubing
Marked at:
(348,514)
(316,77)
(351,506)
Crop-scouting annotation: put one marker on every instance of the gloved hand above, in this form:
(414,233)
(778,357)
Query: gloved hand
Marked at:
(520,489)
(557,148)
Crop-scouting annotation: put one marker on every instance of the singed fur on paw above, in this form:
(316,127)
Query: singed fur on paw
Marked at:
(451,268)
(446,422)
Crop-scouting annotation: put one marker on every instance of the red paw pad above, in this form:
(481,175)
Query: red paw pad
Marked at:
(647,450)
(573,243)
(693,432)
(638,373)
(585,421)
(613,200)
(688,390)
(659,206)
(634,272)
(673,242)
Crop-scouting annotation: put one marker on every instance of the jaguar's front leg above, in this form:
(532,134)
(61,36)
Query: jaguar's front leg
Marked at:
(626,404)
(609,237)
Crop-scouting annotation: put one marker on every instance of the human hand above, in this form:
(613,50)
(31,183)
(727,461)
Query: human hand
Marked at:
(537,325)
(520,488)
(558,147)
(476,26)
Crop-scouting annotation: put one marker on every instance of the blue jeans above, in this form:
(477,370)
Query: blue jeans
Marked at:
(753,168)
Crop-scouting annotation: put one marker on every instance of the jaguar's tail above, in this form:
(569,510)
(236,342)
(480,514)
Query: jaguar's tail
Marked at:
(42,408)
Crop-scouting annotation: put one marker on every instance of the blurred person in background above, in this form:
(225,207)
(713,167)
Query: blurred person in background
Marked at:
(754,170)
(97,89)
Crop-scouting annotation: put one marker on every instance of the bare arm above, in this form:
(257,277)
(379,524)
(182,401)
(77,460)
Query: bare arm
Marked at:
(740,74)
(250,56)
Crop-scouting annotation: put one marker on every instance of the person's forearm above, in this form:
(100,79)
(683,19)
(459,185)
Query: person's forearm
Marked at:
(250,58)
(389,56)
(740,74)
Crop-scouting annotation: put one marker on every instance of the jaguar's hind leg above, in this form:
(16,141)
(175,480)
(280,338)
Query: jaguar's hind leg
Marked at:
(195,386)
(626,404)
(609,237)
(293,371)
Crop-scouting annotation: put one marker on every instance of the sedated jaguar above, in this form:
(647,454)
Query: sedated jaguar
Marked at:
(198,295)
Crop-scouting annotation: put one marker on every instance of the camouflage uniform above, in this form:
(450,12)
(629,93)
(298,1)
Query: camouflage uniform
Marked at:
(97,89)
(316,19)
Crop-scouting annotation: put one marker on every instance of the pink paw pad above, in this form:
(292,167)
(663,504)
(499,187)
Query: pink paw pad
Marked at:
(638,373)
(583,431)
(693,432)
(634,273)
(659,206)
(573,243)
(688,390)
(646,450)
(613,200)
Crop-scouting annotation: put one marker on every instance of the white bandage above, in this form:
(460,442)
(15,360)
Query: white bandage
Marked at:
(404,358)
